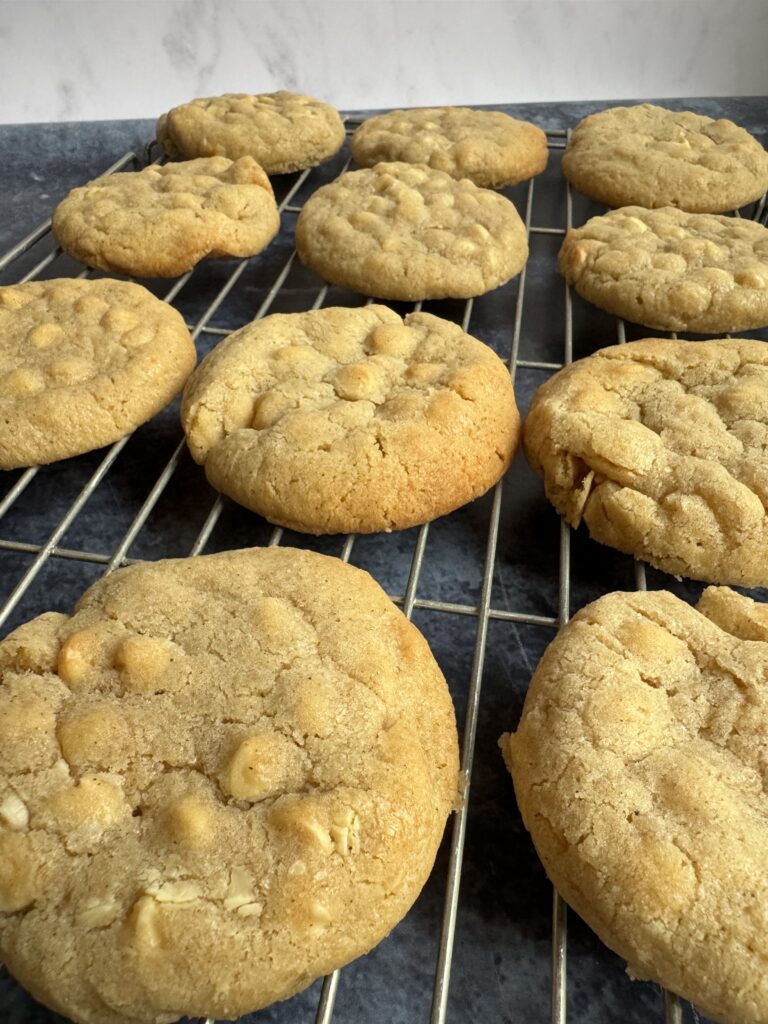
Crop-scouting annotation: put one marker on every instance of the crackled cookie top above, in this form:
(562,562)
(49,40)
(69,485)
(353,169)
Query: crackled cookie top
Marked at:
(351,420)
(402,231)
(660,447)
(82,363)
(672,270)
(649,156)
(246,758)
(640,768)
(489,147)
(161,221)
(283,131)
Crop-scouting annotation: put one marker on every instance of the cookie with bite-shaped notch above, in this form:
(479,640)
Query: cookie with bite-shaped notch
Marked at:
(672,270)
(351,420)
(640,767)
(405,231)
(160,222)
(82,364)
(283,131)
(659,446)
(245,758)
(489,147)
(650,156)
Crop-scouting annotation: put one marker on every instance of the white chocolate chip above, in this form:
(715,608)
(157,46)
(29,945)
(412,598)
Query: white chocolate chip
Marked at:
(146,926)
(346,835)
(175,892)
(322,837)
(250,909)
(13,812)
(319,914)
(240,890)
(97,912)
(636,224)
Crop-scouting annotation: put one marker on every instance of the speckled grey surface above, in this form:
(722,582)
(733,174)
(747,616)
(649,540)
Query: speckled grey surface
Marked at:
(501,960)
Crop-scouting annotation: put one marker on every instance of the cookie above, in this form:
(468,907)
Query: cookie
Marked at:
(82,364)
(639,767)
(401,231)
(161,221)
(659,446)
(649,156)
(220,778)
(671,270)
(283,131)
(490,148)
(351,420)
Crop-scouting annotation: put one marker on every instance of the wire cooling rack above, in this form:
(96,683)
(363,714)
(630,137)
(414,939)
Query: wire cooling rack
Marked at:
(487,585)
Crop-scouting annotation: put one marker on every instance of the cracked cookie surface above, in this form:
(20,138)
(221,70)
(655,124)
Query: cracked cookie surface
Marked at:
(659,446)
(82,364)
(672,270)
(220,778)
(351,420)
(649,156)
(640,767)
(283,131)
(161,221)
(489,147)
(402,231)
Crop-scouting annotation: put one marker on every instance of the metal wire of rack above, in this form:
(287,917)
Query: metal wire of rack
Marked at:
(484,611)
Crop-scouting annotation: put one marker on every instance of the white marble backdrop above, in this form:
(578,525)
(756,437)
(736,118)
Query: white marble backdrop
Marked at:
(88,59)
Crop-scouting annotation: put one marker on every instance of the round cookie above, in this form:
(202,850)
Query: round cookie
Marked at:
(241,759)
(283,131)
(671,270)
(351,420)
(659,446)
(649,156)
(82,364)
(346,420)
(163,220)
(639,768)
(489,147)
(401,231)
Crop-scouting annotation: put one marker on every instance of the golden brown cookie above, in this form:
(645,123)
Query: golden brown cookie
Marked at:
(161,221)
(640,768)
(671,270)
(489,147)
(351,420)
(283,131)
(401,231)
(220,778)
(659,446)
(649,156)
(82,364)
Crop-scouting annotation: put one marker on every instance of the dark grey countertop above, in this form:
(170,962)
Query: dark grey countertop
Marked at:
(501,967)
